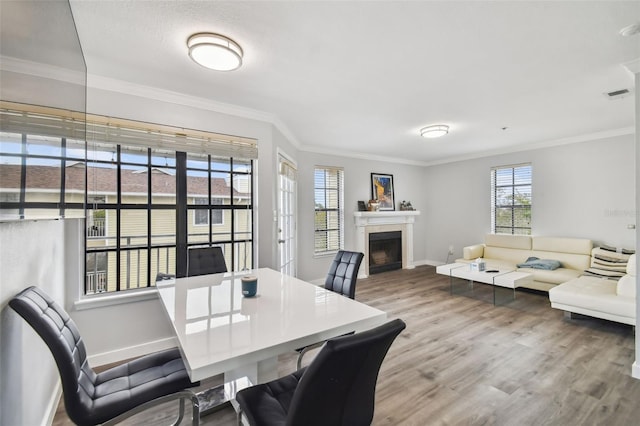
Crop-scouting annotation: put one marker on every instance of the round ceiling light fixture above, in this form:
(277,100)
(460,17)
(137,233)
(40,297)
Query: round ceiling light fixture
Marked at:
(215,51)
(630,30)
(434,131)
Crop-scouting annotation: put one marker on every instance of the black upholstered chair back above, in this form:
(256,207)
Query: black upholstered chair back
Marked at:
(343,273)
(92,398)
(205,260)
(61,335)
(339,386)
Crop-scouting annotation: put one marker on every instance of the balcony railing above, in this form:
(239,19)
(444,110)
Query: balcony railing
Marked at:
(96,282)
(133,268)
(96,227)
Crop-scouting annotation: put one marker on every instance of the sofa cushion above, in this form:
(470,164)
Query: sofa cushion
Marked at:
(626,286)
(562,245)
(568,260)
(522,242)
(557,276)
(510,255)
(593,294)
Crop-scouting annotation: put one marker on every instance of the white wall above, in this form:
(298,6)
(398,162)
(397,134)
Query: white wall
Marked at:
(579,190)
(408,185)
(31,253)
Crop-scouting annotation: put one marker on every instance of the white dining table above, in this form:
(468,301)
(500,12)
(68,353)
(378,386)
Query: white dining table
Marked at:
(220,331)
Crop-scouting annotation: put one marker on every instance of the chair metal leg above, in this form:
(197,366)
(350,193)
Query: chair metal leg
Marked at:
(180,413)
(181,396)
(239,416)
(304,350)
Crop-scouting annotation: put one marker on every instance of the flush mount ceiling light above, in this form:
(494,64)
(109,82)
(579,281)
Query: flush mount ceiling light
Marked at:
(215,51)
(434,131)
(630,30)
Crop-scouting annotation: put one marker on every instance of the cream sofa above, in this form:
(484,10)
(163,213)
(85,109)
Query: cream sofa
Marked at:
(599,297)
(502,250)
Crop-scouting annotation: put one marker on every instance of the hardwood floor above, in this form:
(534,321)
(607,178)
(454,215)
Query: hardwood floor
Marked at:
(463,361)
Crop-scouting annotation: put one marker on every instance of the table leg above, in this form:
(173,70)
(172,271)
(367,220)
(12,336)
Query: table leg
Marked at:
(213,399)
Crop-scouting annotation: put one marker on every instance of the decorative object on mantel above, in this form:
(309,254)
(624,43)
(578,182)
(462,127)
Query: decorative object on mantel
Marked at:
(382,190)
(362,206)
(374,205)
(406,206)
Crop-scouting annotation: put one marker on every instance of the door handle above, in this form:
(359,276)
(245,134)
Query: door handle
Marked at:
(281,241)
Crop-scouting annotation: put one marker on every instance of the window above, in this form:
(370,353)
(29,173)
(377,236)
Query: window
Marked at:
(41,177)
(160,190)
(201,217)
(141,188)
(511,199)
(329,212)
(138,215)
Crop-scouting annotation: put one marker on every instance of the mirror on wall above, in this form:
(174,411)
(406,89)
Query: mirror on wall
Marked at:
(43,79)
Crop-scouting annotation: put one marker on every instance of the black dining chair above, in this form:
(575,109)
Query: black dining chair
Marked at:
(205,260)
(343,273)
(110,396)
(341,278)
(336,389)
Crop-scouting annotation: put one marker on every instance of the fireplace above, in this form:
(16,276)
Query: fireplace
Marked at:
(385,251)
(368,223)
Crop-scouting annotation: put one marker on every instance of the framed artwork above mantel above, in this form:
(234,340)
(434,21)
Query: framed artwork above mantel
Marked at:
(382,190)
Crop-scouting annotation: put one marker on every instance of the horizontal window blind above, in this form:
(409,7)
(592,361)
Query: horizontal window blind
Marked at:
(329,211)
(287,168)
(43,121)
(37,120)
(511,190)
(128,132)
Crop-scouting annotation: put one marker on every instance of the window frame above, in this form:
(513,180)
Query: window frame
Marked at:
(518,179)
(318,239)
(210,212)
(177,250)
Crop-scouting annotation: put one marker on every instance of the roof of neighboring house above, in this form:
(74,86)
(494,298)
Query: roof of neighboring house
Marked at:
(103,180)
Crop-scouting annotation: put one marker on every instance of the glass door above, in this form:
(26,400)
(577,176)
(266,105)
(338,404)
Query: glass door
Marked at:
(287,201)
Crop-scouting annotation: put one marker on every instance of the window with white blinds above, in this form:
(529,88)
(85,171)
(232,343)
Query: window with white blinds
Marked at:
(329,211)
(511,199)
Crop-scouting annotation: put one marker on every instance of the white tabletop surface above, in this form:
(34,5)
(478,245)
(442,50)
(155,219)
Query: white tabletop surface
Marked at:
(219,330)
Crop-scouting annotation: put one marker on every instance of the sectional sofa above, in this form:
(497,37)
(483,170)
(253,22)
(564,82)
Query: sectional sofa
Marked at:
(501,250)
(599,297)
(573,286)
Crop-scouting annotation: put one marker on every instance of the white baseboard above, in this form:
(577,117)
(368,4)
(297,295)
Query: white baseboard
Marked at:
(132,351)
(635,370)
(52,405)
(428,262)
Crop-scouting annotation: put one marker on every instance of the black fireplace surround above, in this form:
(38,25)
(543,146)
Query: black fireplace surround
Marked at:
(385,251)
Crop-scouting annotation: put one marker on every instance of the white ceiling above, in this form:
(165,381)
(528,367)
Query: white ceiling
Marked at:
(362,77)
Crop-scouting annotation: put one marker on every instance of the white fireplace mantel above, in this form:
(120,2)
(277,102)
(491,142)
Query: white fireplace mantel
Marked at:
(385,221)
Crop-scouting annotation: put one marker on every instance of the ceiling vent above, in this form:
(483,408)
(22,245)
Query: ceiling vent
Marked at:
(618,94)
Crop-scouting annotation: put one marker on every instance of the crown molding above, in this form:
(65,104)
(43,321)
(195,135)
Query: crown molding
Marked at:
(36,69)
(163,95)
(589,137)
(105,83)
(361,156)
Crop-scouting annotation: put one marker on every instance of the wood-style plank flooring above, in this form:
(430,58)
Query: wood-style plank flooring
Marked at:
(463,361)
